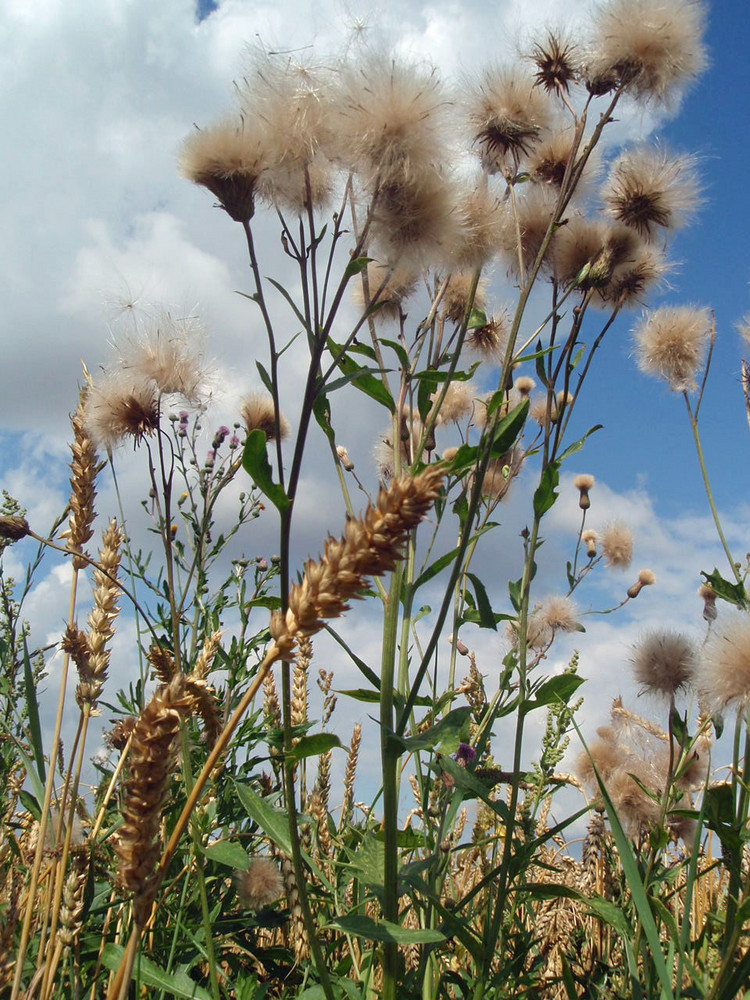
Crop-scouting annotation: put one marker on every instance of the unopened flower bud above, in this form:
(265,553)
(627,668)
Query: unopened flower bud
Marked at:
(709,602)
(645,579)
(461,647)
(589,538)
(583,484)
(343,456)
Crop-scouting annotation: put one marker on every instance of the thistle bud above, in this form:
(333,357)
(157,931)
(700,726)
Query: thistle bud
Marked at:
(583,484)
(645,579)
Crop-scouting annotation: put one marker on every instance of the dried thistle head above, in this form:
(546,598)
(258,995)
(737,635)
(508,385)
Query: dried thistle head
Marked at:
(168,352)
(617,545)
(490,340)
(652,189)
(724,677)
(557,63)
(121,406)
(671,343)
(482,220)
(646,578)
(260,885)
(228,159)
(507,115)
(258,413)
(456,298)
(664,662)
(583,483)
(388,288)
(651,48)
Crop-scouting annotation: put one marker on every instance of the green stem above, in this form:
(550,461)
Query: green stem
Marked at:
(390,756)
(707,486)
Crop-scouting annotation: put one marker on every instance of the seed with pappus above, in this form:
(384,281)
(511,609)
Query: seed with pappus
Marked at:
(258,414)
(724,677)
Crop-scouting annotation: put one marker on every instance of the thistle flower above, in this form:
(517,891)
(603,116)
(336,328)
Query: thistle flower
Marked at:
(583,483)
(260,885)
(671,343)
(507,115)
(617,545)
(482,219)
(388,287)
(293,104)
(650,47)
(458,402)
(524,386)
(649,188)
(490,340)
(258,413)
(535,210)
(121,406)
(589,539)
(557,64)
(724,677)
(664,662)
(415,221)
(644,269)
(371,545)
(456,297)
(646,578)
(390,120)
(228,159)
(168,353)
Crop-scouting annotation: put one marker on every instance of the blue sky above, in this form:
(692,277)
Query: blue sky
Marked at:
(96,100)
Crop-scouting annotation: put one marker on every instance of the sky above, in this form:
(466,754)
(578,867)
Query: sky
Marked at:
(97,97)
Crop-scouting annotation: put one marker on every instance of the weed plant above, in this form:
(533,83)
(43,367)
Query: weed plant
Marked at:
(213,859)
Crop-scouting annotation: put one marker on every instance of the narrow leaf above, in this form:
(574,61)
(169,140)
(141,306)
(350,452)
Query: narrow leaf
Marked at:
(384,930)
(313,746)
(176,984)
(229,853)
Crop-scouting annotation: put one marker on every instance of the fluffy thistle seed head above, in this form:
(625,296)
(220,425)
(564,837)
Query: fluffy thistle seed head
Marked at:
(458,402)
(671,344)
(649,188)
(556,62)
(664,662)
(652,48)
(489,341)
(617,545)
(535,209)
(507,114)
(228,159)
(388,288)
(119,406)
(260,885)
(724,677)
(482,220)
(456,297)
(169,353)
(258,414)
(643,269)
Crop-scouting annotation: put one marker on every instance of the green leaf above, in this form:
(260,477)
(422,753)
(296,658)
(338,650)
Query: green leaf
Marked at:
(255,463)
(322,413)
(384,930)
(361,378)
(355,266)
(273,822)
(508,429)
(32,708)
(264,376)
(576,446)
(176,984)
(477,319)
(545,495)
(229,853)
(444,734)
(733,593)
(313,746)
(558,688)
(401,354)
(486,614)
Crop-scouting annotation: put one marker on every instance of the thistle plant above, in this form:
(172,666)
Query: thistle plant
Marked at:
(395,195)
